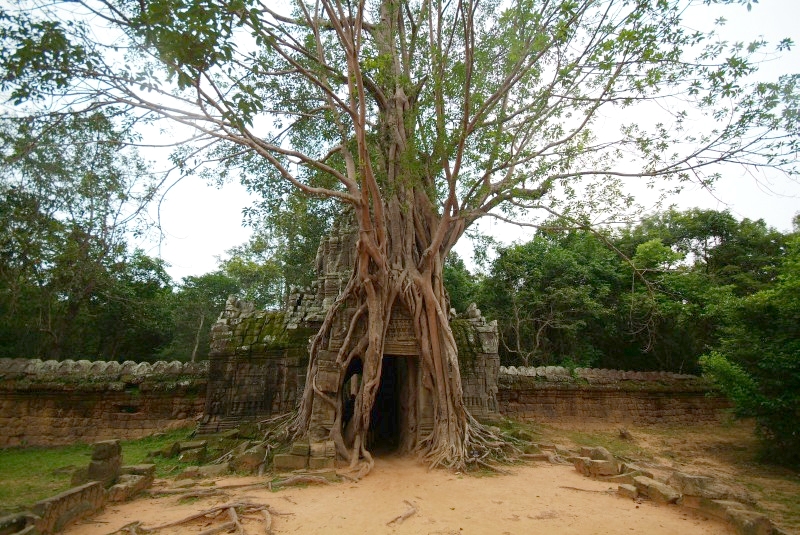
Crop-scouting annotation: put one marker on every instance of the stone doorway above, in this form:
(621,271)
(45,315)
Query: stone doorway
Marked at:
(392,422)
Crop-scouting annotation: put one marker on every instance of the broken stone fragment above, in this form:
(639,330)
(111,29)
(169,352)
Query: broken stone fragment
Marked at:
(581,465)
(628,491)
(599,468)
(749,522)
(196,455)
(212,470)
(655,490)
(250,460)
(599,453)
(192,445)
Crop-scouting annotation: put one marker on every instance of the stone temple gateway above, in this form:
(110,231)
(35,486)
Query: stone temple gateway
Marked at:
(259,360)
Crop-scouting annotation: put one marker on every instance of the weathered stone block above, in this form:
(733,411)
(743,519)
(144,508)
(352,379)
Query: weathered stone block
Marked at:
(58,511)
(318,463)
(287,461)
(106,449)
(631,467)
(250,460)
(213,470)
(127,486)
(602,468)
(581,465)
(197,455)
(655,490)
(749,522)
(689,484)
(628,491)
(192,445)
(104,471)
(300,448)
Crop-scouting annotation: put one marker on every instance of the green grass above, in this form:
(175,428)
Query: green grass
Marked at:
(28,475)
(136,451)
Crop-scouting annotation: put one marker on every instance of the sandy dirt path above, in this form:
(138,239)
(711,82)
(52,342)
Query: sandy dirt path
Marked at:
(540,498)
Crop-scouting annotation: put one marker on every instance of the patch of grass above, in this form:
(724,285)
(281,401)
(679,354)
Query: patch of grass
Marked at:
(136,451)
(28,475)
(607,439)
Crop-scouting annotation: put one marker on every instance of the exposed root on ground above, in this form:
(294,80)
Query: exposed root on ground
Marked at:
(412,510)
(227,517)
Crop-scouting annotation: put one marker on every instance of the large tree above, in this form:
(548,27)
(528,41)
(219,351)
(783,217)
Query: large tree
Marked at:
(423,116)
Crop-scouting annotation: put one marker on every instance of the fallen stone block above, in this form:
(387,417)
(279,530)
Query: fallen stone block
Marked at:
(707,487)
(147,470)
(655,490)
(599,453)
(581,465)
(628,491)
(213,470)
(749,522)
(58,511)
(692,485)
(602,468)
(250,460)
(625,468)
(197,455)
(127,486)
(192,444)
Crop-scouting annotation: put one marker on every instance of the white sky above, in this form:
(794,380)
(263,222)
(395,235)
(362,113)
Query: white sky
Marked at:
(201,222)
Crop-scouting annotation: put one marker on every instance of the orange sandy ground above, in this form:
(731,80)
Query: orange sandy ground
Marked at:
(537,498)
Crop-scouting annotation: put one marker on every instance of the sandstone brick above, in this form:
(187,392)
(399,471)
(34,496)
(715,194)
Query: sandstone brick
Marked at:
(749,522)
(318,463)
(287,461)
(628,491)
(655,490)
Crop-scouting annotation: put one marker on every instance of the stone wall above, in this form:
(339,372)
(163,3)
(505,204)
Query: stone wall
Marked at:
(53,403)
(554,394)
(257,366)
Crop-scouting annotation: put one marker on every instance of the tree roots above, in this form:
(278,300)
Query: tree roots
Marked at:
(226,518)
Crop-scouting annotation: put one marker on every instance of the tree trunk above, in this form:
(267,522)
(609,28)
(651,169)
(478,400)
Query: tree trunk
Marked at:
(406,229)
(400,274)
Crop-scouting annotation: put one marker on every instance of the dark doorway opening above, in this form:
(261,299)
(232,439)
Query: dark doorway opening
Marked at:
(385,430)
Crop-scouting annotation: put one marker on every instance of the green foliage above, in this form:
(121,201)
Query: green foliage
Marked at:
(548,295)
(658,303)
(71,195)
(193,309)
(32,474)
(461,285)
(758,361)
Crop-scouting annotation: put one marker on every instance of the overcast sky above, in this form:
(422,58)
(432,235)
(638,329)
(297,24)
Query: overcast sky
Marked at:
(201,222)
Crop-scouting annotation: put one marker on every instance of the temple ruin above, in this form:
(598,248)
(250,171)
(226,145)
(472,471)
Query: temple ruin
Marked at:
(258,360)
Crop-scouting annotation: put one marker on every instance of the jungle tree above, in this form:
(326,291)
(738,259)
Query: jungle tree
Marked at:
(423,116)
